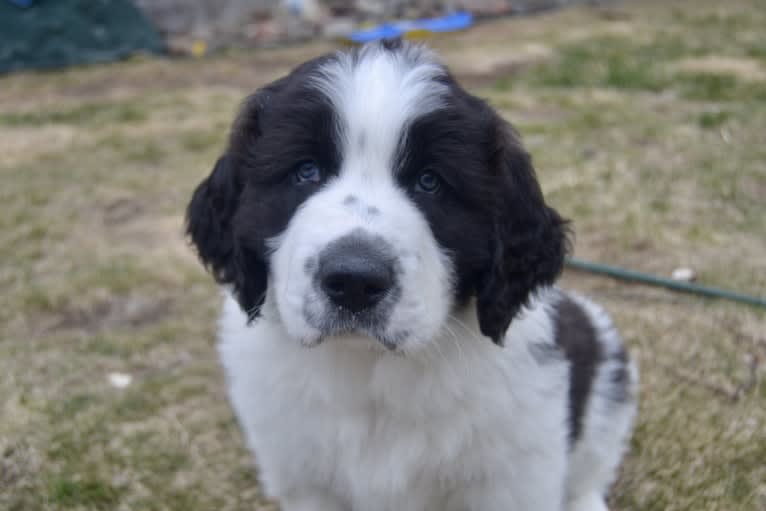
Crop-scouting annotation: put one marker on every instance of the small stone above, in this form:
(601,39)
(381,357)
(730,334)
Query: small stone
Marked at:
(120,380)
(683,274)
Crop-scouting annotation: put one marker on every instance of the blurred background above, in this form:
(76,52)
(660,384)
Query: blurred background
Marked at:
(646,120)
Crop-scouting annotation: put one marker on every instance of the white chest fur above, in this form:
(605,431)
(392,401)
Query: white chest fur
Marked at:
(382,431)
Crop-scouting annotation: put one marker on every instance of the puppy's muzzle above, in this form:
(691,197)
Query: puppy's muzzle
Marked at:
(354,274)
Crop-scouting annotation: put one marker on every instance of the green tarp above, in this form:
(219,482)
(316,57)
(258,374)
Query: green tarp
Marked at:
(58,33)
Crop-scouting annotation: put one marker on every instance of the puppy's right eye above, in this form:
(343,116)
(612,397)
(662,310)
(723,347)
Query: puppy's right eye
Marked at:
(307,172)
(428,182)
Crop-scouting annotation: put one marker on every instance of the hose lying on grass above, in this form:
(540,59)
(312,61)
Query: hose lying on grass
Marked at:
(646,278)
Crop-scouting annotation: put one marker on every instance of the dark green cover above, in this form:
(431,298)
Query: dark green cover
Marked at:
(58,33)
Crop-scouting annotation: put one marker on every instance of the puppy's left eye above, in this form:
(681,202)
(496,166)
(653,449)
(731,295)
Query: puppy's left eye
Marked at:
(307,172)
(428,182)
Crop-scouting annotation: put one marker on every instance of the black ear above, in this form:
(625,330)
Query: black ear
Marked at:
(209,216)
(210,226)
(530,239)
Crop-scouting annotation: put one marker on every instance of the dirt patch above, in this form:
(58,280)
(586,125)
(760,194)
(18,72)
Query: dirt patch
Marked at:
(480,67)
(743,68)
(161,238)
(755,188)
(131,311)
(121,211)
(20,143)
(142,77)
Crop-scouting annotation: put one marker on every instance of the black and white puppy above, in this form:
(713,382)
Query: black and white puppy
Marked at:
(390,332)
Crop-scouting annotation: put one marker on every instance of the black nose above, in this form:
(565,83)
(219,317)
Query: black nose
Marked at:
(354,274)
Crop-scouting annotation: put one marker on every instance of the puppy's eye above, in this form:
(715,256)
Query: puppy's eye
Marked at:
(428,182)
(307,172)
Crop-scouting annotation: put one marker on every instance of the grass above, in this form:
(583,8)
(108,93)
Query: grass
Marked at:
(104,113)
(646,123)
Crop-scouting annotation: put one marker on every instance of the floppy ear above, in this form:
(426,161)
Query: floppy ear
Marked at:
(529,238)
(212,213)
(209,219)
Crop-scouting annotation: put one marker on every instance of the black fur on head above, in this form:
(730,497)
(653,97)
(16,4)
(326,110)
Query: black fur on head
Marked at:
(246,200)
(530,239)
(210,219)
(504,241)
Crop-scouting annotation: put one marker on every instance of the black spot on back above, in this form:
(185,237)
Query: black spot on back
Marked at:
(576,336)
(620,379)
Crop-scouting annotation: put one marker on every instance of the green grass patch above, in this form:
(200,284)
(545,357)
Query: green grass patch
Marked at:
(713,120)
(90,493)
(70,407)
(718,87)
(610,62)
(87,113)
(757,50)
(203,140)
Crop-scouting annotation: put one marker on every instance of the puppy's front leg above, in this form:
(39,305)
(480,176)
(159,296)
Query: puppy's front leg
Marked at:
(311,500)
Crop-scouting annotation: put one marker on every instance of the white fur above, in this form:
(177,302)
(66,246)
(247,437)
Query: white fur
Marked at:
(465,426)
(377,95)
(326,217)
(386,432)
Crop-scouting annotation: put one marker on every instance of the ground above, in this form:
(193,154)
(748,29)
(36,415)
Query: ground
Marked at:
(646,121)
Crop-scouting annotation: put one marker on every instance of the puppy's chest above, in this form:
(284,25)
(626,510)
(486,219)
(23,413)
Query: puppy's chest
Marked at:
(369,443)
(381,454)
(383,431)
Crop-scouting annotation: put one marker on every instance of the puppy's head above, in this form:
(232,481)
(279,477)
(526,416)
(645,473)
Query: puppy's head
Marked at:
(366,192)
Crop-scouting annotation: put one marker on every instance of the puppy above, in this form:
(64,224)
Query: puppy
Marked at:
(391,335)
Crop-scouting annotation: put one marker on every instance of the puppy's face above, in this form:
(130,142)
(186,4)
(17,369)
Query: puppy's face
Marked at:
(368,193)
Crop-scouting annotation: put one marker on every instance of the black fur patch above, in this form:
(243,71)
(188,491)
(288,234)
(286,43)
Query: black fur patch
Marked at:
(490,214)
(249,197)
(620,379)
(576,336)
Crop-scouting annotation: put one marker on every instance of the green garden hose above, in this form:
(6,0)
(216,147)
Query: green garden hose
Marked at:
(645,278)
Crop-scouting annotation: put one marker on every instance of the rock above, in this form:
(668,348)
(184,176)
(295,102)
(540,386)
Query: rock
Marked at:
(120,380)
(684,275)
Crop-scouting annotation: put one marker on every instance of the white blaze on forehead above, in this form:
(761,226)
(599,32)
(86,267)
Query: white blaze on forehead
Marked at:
(377,93)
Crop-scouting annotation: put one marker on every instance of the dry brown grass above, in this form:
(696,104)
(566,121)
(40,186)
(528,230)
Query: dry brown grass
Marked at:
(647,125)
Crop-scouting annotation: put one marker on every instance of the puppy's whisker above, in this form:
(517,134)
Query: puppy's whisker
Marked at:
(453,337)
(434,347)
(469,332)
